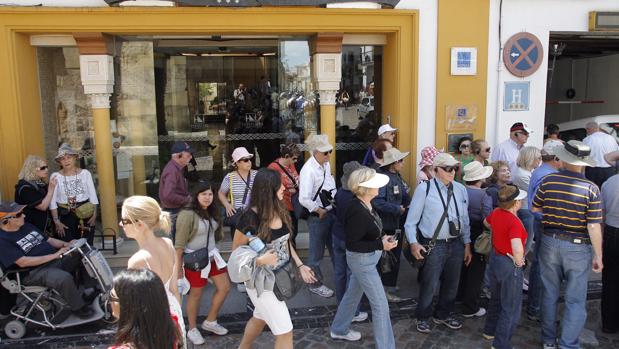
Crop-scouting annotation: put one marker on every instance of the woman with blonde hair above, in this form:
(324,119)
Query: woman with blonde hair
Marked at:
(141,217)
(528,159)
(35,190)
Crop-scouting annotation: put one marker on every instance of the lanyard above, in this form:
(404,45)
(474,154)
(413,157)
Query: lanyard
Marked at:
(450,194)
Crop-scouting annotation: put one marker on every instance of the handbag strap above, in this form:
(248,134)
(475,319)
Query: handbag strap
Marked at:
(294,182)
(324,176)
(208,231)
(442,220)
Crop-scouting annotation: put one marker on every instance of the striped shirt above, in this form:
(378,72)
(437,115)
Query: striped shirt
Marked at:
(569,202)
(233,183)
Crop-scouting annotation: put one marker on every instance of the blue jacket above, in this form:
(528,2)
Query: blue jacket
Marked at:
(389,200)
(343,198)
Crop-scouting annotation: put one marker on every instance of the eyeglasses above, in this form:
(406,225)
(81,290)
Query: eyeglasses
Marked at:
(450,168)
(325,153)
(125,221)
(42,168)
(17,215)
(244,160)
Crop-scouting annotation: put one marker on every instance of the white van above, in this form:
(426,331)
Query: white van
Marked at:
(575,129)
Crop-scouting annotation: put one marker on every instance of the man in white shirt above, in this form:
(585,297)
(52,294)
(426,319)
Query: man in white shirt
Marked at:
(600,143)
(509,149)
(315,185)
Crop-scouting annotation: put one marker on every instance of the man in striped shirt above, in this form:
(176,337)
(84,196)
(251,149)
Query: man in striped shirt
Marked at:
(571,208)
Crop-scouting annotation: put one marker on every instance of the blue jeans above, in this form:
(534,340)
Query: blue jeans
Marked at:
(442,264)
(506,301)
(340,268)
(319,238)
(528,220)
(564,261)
(364,278)
(534,294)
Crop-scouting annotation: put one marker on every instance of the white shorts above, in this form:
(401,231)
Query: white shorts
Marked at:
(271,310)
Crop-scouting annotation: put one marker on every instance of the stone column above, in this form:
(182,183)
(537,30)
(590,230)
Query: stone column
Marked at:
(97,73)
(327,74)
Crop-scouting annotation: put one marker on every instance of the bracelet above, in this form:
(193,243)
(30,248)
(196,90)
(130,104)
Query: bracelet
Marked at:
(298,267)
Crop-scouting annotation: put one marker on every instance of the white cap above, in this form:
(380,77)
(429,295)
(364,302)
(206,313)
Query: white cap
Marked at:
(378,181)
(386,128)
(318,143)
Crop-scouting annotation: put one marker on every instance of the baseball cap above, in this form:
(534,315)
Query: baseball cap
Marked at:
(10,208)
(519,126)
(385,128)
(180,147)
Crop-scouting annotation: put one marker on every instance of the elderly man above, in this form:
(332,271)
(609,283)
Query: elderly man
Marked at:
(173,187)
(600,143)
(24,246)
(316,190)
(550,164)
(571,208)
(438,217)
(508,150)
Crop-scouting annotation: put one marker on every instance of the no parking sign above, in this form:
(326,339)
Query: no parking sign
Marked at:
(523,53)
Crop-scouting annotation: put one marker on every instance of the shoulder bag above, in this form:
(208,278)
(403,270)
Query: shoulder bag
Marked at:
(288,279)
(299,210)
(198,260)
(483,243)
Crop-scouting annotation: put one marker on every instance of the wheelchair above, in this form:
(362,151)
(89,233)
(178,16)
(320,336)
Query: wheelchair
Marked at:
(39,305)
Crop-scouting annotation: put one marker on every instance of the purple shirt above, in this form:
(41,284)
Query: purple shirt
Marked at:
(173,191)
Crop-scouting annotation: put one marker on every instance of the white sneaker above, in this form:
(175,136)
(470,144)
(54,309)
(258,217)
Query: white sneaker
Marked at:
(195,336)
(213,326)
(481,312)
(362,316)
(549,346)
(241,288)
(322,291)
(350,336)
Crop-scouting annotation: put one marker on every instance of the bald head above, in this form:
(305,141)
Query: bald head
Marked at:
(592,127)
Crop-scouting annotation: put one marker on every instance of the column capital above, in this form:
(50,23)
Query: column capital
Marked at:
(327,97)
(97,73)
(99,100)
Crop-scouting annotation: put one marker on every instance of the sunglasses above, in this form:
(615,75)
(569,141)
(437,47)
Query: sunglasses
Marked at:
(450,168)
(325,153)
(125,221)
(244,160)
(464,146)
(5,220)
(42,168)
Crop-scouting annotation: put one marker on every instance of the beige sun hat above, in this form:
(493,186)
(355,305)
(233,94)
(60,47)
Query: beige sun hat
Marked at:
(475,171)
(444,159)
(318,143)
(392,155)
(575,153)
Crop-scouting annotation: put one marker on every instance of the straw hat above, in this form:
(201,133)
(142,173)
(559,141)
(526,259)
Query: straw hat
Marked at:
(393,155)
(575,153)
(475,171)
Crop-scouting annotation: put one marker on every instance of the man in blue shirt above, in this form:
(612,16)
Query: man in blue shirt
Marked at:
(453,242)
(551,164)
(24,246)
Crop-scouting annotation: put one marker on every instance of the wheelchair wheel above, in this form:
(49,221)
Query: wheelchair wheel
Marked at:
(15,329)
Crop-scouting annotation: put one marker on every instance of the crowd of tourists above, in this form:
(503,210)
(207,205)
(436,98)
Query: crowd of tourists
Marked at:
(473,223)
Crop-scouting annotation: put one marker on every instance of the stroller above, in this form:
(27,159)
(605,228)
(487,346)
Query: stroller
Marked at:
(39,305)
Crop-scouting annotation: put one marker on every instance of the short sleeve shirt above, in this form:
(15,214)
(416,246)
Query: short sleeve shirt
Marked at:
(233,183)
(505,227)
(27,241)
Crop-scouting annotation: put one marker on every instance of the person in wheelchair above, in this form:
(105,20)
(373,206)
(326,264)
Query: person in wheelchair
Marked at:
(24,246)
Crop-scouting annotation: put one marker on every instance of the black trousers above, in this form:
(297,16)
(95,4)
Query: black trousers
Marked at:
(610,279)
(74,231)
(471,278)
(390,279)
(599,175)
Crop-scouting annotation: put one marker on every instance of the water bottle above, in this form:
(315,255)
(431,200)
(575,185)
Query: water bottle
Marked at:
(256,243)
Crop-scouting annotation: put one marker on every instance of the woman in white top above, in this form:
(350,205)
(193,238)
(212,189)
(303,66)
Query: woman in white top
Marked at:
(141,216)
(528,160)
(197,228)
(74,188)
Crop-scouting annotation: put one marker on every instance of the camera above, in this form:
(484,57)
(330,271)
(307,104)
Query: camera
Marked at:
(326,198)
(454,227)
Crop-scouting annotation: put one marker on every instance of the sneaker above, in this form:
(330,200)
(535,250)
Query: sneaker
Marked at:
(550,346)
(487,337)
(392,297)
(241,288)
(362,316)
(450,322)
(213,326)
(423,326)
(481,312)
(195,336)
(322,291)
(350,336)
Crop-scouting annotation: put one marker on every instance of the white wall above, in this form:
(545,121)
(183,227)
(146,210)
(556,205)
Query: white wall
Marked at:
(426,84)
(538,17)
(55,3)
(592,79)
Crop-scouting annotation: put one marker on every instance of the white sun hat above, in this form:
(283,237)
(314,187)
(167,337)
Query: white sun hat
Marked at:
(475,171)
(378,181)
